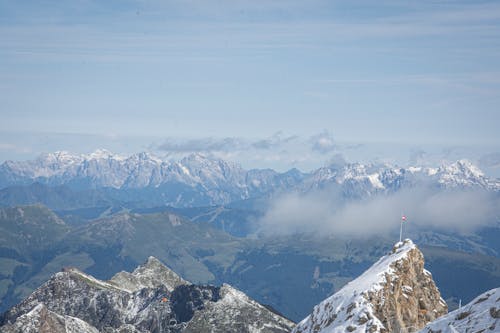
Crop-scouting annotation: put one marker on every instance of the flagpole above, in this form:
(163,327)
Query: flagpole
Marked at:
(403,219)
(401,231)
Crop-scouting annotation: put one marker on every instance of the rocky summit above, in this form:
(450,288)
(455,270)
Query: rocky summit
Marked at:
(396,294)
(151,299)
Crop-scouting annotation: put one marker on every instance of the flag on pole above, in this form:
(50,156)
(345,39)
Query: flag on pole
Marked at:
(403,219)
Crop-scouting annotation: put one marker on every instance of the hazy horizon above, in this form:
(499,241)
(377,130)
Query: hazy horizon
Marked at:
(264,83)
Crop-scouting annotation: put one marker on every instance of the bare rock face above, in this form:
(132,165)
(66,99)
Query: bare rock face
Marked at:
(411,296)
(395,295)
(151,299)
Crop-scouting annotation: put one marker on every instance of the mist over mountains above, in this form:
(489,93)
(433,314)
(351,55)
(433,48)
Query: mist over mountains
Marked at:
(214,222)
(340,198)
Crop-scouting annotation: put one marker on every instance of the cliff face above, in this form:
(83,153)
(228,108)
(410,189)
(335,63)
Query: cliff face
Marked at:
(395,294)
(151,299)
(409,298)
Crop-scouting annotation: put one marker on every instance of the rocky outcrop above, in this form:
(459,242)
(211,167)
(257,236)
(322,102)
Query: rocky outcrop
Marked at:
(150,299)
(482,314)
(395,295)
(150,275)
(99,303)
(236,312)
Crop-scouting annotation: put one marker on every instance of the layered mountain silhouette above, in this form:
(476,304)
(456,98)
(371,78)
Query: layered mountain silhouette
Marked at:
(150,299)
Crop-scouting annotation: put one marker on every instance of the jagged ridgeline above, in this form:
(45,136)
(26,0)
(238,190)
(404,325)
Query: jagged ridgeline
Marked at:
(396,294)
(150,299)
(63,181)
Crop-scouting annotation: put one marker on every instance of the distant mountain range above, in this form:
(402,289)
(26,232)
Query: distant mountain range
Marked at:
(193,181)
(198,180)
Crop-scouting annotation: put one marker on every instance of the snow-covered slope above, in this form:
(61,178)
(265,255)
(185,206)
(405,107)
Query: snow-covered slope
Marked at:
(482,314)
(357,180)
(151,299)
(395,293)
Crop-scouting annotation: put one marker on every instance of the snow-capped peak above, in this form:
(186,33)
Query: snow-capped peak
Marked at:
(372,278)
(59,159)
(461,173)
(374,302)
(463,167)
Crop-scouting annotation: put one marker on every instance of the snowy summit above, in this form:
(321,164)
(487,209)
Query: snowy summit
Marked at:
(395,293)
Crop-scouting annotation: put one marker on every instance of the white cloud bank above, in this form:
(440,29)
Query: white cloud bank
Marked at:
(324,213)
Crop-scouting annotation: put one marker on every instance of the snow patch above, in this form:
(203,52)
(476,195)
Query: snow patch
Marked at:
(375,181)
(482,314)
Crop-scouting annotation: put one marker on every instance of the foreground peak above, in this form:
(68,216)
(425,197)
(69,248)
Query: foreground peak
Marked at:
(393,294)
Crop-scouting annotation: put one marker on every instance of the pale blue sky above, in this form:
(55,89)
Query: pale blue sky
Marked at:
(167,75)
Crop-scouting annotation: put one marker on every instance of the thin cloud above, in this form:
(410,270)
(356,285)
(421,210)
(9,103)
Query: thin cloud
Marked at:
(323,143)
(225,145)
(274,141)
(201,145)
(417,156)
(337,160)
(276,144)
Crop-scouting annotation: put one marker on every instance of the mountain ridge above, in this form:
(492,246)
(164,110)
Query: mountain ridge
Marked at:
(93,305)
(199,180)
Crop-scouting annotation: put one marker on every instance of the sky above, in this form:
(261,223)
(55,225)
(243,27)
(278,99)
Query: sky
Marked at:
(269,83)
